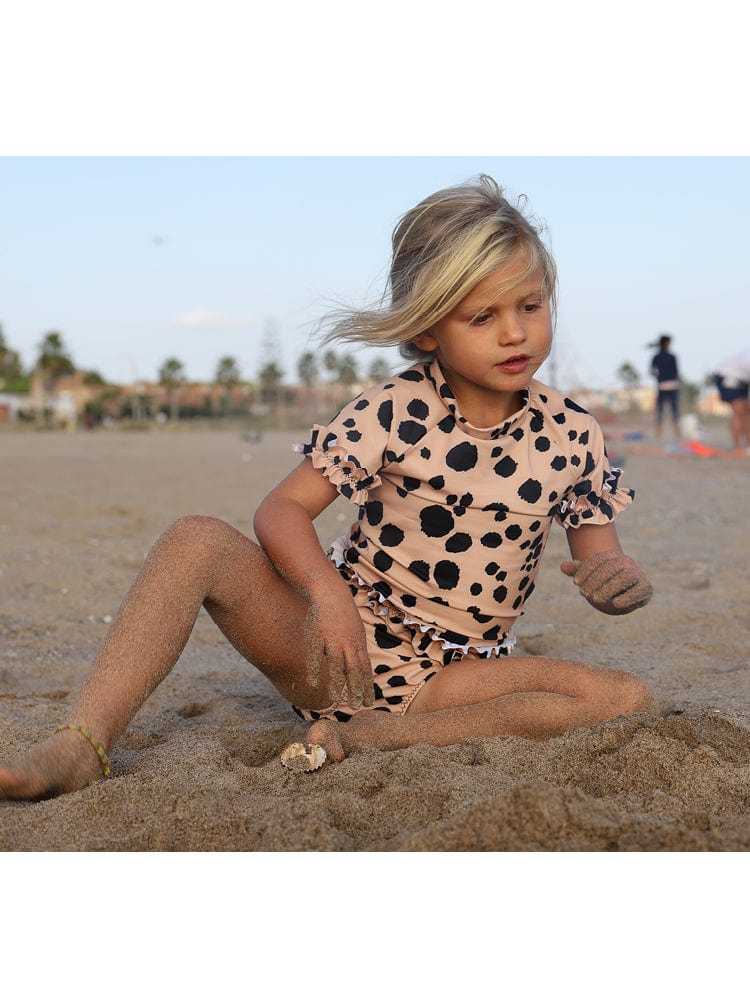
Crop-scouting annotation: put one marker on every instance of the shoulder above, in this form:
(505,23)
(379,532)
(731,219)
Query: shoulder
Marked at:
(555,403)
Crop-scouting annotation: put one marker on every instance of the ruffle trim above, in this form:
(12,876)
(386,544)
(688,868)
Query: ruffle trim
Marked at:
(337,465)
(586,506)
(383,607)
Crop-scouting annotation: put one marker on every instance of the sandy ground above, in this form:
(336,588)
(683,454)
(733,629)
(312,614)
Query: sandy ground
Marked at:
(198,769)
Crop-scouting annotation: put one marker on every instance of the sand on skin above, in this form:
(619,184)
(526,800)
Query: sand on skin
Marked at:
(198,768)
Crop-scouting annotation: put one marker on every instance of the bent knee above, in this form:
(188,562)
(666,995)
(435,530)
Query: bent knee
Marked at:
(196,534)
(632,694)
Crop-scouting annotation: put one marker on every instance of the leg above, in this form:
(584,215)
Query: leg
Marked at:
(198,561)
(533,697)
(740,422)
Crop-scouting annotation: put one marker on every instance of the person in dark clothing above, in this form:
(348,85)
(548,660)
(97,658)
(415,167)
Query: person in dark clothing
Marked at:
(665,371)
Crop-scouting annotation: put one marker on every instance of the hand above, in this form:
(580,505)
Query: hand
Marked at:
(334,637)
(610,581)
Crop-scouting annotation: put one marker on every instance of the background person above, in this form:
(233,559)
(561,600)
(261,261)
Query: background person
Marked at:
(732,379)
(665,370)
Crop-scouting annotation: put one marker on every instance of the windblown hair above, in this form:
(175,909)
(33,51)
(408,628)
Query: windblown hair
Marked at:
(442,248)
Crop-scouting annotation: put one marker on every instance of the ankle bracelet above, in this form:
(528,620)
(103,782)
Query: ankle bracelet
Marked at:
(100,751)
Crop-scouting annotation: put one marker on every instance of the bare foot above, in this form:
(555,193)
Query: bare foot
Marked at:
(62,763)
(327,734)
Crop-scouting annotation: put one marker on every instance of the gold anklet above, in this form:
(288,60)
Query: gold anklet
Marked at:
(101,753)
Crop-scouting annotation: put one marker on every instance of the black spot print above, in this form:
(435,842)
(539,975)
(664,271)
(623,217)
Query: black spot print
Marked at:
(512,532)
(437,482)
(447,424)
(476,589)
(421,569)
(382,561)
(384,639)
(425,453)
(409,599)
(353,436)
(385,414)
(409,431)
(362,404)
(460,542)
(396,681)
(374,511)
(537,421)
(419,409)
(491,540)
(491,568)
(506,467)
(462,457)
(542,443)
(447,574)
(530,491)
(558,463)
(436,521)
(410,483)
(412,376)
(500,593)
(391,535)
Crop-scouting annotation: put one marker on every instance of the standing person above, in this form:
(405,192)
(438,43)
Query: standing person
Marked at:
(458,466)
(664,369)
(732,379)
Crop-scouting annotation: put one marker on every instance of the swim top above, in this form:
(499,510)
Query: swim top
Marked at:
(453,518)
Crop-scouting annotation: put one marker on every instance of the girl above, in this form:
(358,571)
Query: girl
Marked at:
(401,633)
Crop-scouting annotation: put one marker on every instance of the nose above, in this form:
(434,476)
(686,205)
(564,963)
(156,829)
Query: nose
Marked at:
(512,330)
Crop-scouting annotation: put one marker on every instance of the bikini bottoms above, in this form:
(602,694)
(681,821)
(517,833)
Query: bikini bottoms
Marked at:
(404,653)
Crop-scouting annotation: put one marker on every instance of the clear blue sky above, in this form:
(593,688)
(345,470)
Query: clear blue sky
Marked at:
(137,259)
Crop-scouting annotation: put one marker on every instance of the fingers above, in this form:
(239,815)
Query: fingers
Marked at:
(611,582)
(569,567)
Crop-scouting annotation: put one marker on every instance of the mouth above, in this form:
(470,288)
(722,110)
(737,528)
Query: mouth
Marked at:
(516,363)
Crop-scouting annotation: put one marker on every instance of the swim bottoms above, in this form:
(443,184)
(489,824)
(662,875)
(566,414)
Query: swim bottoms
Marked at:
(404,654)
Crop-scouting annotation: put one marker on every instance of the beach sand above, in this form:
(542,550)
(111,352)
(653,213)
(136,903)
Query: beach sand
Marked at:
(198,768)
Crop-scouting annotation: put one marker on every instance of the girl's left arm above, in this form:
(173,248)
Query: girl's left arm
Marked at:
(609,580)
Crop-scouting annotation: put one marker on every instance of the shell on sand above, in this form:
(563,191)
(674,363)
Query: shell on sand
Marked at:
(297,758)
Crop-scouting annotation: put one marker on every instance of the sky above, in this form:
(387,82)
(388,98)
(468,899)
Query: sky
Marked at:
(137,259)
(174,174)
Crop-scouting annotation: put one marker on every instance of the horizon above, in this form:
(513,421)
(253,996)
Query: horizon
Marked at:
(137,259)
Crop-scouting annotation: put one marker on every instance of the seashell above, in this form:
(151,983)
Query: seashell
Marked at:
(297,758)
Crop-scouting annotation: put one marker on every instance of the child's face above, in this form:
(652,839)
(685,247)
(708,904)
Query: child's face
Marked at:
(491,345)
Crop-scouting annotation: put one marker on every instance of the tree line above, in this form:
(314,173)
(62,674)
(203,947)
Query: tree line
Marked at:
(54,362)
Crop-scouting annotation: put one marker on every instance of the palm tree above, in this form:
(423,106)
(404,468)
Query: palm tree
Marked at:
(228,375)
(307,369)
(630,379)
(348,372)
(379,370)
(172,376)
(270,377)
(52,364)
(10,362)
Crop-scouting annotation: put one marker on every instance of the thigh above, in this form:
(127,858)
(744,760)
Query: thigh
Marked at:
(257,610)
(473,680)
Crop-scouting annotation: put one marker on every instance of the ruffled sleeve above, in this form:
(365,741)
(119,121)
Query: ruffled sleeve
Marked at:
(596,497)
(338,465)
(352,449)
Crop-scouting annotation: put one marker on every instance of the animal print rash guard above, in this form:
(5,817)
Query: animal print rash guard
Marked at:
(453,519)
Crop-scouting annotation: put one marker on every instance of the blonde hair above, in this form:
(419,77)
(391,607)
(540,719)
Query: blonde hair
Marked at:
(442,248)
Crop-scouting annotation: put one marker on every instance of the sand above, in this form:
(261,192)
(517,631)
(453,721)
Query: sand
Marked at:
(198,768)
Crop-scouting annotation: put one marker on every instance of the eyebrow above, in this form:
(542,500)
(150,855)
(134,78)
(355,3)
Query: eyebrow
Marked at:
(536,292)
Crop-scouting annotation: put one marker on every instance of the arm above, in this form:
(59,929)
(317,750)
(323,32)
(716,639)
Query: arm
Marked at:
(609,580)
(333,631)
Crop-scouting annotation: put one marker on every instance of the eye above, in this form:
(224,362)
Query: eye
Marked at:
(481,318)
(531,307)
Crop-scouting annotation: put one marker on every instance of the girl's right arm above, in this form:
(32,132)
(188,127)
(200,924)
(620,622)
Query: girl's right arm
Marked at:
(334,635)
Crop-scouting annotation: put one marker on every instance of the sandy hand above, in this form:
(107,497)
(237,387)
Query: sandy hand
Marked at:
(610,581)
(334,636)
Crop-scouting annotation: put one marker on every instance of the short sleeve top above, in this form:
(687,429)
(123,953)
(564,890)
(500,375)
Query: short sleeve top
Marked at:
(453,519)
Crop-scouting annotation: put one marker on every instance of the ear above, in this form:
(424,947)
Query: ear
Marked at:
(426,341)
